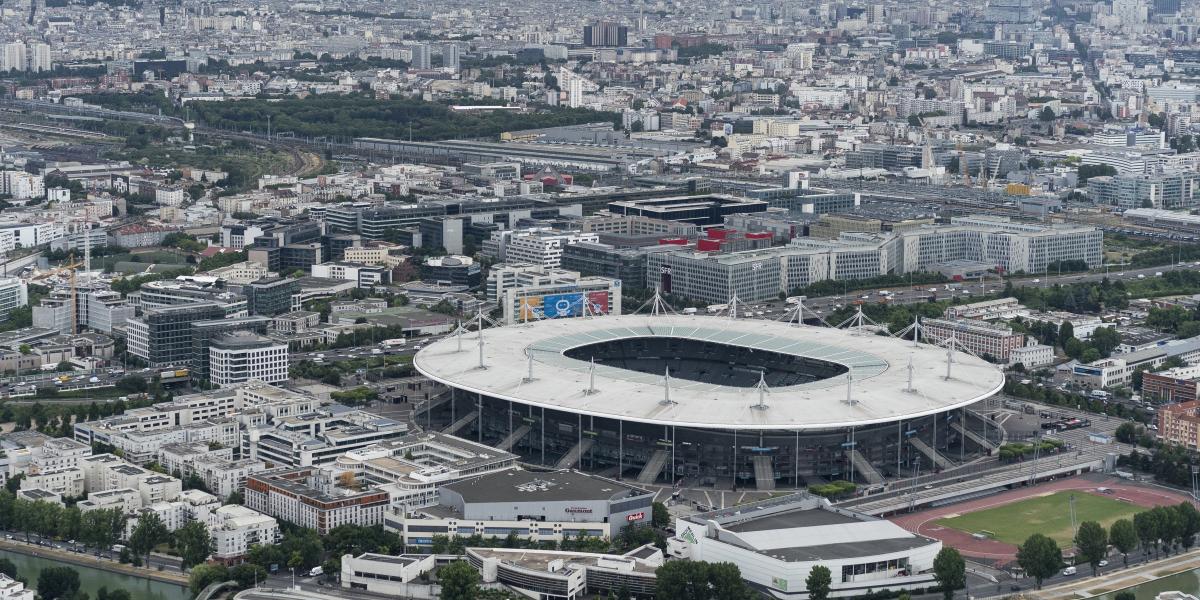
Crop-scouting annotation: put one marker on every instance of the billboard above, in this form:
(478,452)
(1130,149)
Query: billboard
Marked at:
(598,302)
(531,307)
(562,305)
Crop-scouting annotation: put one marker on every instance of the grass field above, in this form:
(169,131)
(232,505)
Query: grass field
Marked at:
(1048,515)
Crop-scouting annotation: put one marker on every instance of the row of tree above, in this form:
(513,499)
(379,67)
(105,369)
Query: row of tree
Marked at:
(1161,529)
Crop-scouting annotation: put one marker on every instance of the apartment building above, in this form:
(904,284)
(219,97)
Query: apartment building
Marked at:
(235,529)
(1180,424)
(308,497)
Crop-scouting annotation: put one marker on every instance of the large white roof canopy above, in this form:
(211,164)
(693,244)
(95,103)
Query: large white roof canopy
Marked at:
(878,366)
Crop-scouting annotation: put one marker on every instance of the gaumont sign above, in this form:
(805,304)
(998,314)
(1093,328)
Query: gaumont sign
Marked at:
(577,509)
(637,516)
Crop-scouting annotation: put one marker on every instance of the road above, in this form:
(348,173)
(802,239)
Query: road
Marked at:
(823,306)
(158,562)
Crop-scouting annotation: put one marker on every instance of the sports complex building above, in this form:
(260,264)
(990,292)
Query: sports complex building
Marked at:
(716,400)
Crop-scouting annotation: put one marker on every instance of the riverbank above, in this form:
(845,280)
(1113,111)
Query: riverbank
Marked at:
(1120,578)
(86,560)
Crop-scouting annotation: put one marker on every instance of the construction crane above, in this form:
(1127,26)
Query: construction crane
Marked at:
(71,268)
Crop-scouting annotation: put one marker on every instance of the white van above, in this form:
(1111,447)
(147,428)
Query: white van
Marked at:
(1069,571)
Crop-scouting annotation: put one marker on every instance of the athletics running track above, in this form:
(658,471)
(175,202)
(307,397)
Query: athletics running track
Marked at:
(924,522)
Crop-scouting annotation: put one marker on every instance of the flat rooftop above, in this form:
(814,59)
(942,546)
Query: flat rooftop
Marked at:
(528,486)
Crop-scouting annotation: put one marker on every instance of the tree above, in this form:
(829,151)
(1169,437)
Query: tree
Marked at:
(1123,537)
(1092,542)
(1066,331)
(247,574)
(1189,524)
(1146,524)
(660,516)
(149,532)
(8,568)
(950,571)
(65,367)
(725,580)
(57,582)
(1125,595)
(818,582)
(1047,114)
(460,581)
(1040,557)
(682,580)
(205,575)
(193,543)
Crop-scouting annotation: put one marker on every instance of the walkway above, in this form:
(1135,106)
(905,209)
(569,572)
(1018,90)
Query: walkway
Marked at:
(1120,578)
(87,560)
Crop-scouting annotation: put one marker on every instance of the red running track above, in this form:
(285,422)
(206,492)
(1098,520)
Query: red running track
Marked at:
(923,522)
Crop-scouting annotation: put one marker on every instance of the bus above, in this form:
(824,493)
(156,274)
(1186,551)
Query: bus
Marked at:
(393,343)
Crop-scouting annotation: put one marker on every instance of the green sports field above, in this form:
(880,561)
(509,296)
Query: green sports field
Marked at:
(1048,515)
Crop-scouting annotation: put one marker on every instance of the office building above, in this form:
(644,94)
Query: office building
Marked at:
(383,574)
(454,271)
(205,331)
(697,210)
(585,296)
(188,290)
(543,248)
(270,296)
(163,336)
(603,260)
(570,575)
(605,33)
(1160,190)
(1180,384)
(980,338)
(363,276)
(238,357)
(317,437)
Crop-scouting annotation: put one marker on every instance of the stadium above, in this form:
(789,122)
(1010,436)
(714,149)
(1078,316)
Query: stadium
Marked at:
(712,400)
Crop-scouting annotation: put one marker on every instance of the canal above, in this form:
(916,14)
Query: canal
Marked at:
(1187,581)
(90,579)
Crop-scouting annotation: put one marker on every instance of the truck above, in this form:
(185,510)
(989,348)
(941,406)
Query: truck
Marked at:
(716,308)
(689,311)
(1098,395)
(316,571)
(393,343)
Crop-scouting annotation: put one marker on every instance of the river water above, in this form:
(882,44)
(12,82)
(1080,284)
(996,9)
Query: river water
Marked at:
(1187,581)
(90,580)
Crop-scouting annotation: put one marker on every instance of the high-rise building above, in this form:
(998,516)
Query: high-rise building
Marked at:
(13,294)
(163,336)
(450,58)
(39,57)
(420,56)
(13,57)
(605,33)
(270,295)
(575,93)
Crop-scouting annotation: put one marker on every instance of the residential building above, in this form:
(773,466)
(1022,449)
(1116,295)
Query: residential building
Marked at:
(363,276)
(235,529)
(1032,355)
(544,248)
(1180,424)
(307,497)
